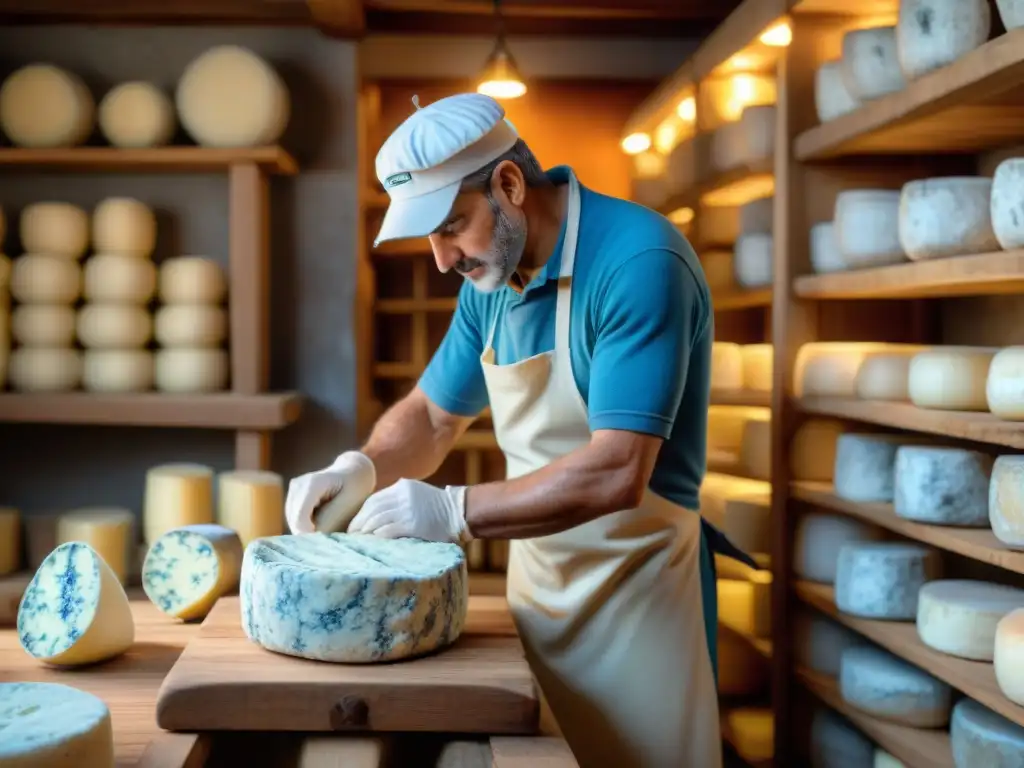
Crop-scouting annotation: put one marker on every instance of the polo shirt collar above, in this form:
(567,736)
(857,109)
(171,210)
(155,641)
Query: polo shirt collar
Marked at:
(553,266)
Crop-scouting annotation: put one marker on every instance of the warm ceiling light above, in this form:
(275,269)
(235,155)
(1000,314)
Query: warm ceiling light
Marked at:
(500,78)
(636,143)
(687,109)
(665,136)
(681,216)
(778,35)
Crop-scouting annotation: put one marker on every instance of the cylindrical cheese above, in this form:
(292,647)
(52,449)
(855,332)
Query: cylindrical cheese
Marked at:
(812,452)
(881,580)
(945,217)
(251,503)
(835,743)
(1004,384)
(206,325)
(870,66)
(950,378)
(111,532)
(176,495)
(191,280)
(757,367)
(43,325)
(137,114)
(726,366)
(726,424)
(123,225)
(119,278)
(1011,12)
(43,106)
(752,260)
(825,254)
(959,616)
(42,278)
(755,449)
(865,466)
(45,369)
(10,540)
(1008,198)
(1006,500)
(829,368)
(191,369)
(981,738)
(820,642)
(877,682)
(1008,655)
(867,227)
(934,33)
(819,539)
(60,229)
(886,375)
(117,370)
(943,486)
(832,98)
(114,326)
(757,132)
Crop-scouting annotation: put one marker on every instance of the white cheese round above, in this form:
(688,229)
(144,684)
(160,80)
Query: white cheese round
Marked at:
(746,520)
(959,616)
(42,278)
(881,580)
(137,114)
(43,106)
(191,280)
(866,465)
(119,278)
(752,261)
(75,611)
(1008,655)
(45,369)
(718,270)
(835,743)
(231,97)
(820,642)
(726,366)
(886,375)
(391,599)
(870,67)
(1006,206)
(867,227)
(942,486)
(124,225)
(950,378)
(832,98)
(1011,12)
(757,367)
(203,325)
(757,131)
(176,495)
(1004,387)
(812,451)
(59,229)
(117,370)
(191,369)
(114,326)
(251,503)
(825,254)
(43,325)
(819,539)
(726,424)
(110,532)
(980,737)
(829,368)
(1006,500)
(756,216)
(885,686)
(947,216)
(49,725)
(187,569)
(933,33)
(755,449)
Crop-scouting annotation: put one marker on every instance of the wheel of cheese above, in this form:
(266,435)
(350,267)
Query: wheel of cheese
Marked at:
(959,616)
(43,325)
(980,737)
(745,606)
(887,687)
(944,217)
(44,106)
(752,261)
(50,725)
(1008,198)
(835,743)
(870,65)
(1011,12)
(726,425)
(176,495)
(123,225)
(812,451)
(886,375)
(1006,500)
(137,114)
(113,278)
(832,98)
(933,33)
(42,278)
(866,465)
(230,97)
(1008,655)
(756,216)
(45,369)
(825,254)
(114,326)
(191,369)
(10,540)
(200,325)
(757,366)
(110,533)
(882,579)
(718,270)
(191,280)
(942,486)
(819,539)
(746,521)
(726,366)
(757,131)
(829,368)
(76,584)
(60,229)
(1004,385)
(867,227)
(117,370)
(251,503)
(950,378)
(819,642)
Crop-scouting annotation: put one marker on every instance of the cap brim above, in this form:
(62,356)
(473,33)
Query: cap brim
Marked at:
(417,216)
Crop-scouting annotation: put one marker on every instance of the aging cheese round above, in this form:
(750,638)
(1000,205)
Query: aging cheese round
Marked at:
(137,114)
(1006,500)
(75,611)
(114,326)
(959,616)
(865,466)
(943,217)
(752,260)
(812,452)
(10,540)
(820,642)
(832,98)
(50,725)
(45,369)
(980,737)
(43,325)
(43,106)
(191,280)
(726,366)
(885,686)
(1011,12)
(881,580)
(934,33)
(1004,386)
(206,325)
(825,254)
(1008,655)
(117,370)
(829,368)
(867,227)
(119,278)
(835,743)
(886,375)
(42,278)
(251,503)
(123,225)
(59,229)
(870,66)
(756,449)
(110,533)
(757,367)
(942,486)
(191,369)
(819,539)
(176,495)
(1008,194)
(230,97)
(950,378)
(726,424)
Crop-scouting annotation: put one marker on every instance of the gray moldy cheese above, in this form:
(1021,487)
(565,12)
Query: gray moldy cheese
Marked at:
(944,486)
(881,580)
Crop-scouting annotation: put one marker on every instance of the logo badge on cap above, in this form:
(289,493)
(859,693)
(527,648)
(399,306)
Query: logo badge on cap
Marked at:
(397,180)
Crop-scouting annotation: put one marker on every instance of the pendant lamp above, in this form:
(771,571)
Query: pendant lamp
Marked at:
(500,78)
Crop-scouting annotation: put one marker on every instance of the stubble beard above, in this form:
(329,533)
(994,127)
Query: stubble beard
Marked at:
(508,241)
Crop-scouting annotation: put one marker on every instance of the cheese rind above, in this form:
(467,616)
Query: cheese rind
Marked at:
(745,606)
(353,598)
(194,325)
(757,367)
(75,611)
(49,725)
(881,580)
(819,539)
(137,114)
(191,280)
(1006,500)
(980,737)
(752,732)
(43,325)
(119,278)
(1004,387)
(886,376)
(959,616)
(944,486)
(45,369)
(187,569)
(867,227)
(60,229)
(191,369)
(726,366)
(756,449)
(45,106)
(865,466)
(251,503)
(948,216)
(117,370)
(950,378)
(886,686)
(829,368)
(1008,655)
(113,326)
(43,278)
(176,495)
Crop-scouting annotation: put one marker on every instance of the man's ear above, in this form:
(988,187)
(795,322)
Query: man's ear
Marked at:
(508,181)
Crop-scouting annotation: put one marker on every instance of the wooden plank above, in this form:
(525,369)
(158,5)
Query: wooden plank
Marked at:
(272,159)
(758,297)
(220,410)
(540,752)
(176,750)
(152,12)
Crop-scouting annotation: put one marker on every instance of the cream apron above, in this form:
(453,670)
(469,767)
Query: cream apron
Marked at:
(609,612)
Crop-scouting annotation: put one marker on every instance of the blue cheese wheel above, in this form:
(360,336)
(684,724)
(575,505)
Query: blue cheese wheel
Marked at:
(353,598)
(884,685)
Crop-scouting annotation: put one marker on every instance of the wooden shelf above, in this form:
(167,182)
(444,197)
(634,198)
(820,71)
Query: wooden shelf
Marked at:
(977,275)
(221,410)
(915,747)
(971,105)
(272,159)
(727,188)
(760,644)
(962,425)
(976,543)
(400,370)
(976,679)
(749,397)
(757,297)
(408,306)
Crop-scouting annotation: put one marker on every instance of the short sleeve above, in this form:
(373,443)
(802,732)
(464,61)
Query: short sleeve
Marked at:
(454,379)
(648,313)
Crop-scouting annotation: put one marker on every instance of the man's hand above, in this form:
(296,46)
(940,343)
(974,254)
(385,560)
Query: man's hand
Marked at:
(353,471)
(414,509)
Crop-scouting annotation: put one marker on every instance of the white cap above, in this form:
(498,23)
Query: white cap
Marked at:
(422,164)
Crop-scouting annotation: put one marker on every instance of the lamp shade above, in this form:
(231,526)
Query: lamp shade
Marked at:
(500,78)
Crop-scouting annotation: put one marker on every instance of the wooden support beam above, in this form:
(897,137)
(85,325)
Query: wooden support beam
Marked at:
(339,18)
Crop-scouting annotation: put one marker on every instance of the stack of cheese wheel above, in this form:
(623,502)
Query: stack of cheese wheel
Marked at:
(757,367)
(137,114)
(46,283)
(726,366)
(866,227)
(726,428)
(44,106)
(115,324)
(830,368)
(176,495)
(752,256)
(110,532)
(251,503)
(191,326)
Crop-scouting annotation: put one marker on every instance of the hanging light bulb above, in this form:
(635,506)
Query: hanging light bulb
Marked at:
(500,78)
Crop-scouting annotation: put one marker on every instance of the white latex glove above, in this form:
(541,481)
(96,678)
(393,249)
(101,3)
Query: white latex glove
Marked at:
(353,471)
(417,510)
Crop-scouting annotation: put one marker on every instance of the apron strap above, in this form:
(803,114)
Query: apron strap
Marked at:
(720,545)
